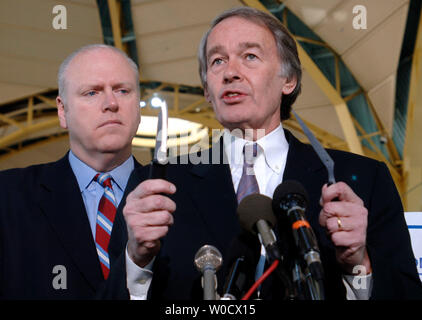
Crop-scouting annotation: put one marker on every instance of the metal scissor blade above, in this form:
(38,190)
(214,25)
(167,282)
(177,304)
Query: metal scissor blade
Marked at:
(160,151)
(158,140)
(321,152)
(160,159)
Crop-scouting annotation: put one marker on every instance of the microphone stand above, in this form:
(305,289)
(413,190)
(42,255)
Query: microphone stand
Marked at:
(308,288)
(210,283)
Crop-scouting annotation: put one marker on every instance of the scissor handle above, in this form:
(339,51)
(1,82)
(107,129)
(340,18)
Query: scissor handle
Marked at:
(157,170)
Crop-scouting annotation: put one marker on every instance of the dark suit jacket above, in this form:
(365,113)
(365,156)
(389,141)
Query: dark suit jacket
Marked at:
(206,214)
(43,224)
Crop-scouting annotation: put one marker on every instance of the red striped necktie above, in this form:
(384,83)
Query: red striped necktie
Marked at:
(105,218)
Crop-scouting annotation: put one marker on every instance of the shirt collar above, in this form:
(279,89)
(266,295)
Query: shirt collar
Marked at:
(84,173)
(273,145)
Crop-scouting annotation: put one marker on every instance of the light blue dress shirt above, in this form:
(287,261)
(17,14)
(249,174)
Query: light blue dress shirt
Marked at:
(92,191)
(138,279)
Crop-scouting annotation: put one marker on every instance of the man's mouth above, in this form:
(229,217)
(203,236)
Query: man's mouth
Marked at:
(110,122)
(233,96)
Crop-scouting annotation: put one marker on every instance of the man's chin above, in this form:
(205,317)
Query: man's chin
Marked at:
(234,123)
(113,146)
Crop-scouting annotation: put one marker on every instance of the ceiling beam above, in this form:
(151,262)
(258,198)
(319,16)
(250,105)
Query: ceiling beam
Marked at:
(115,12)
(117,26)
(23,132)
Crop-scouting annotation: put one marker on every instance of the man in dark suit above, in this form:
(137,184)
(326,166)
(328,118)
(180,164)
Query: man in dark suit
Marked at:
(249,68)
(50,213)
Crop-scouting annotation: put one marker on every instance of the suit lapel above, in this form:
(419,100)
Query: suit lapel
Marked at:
(61,201)
(301,160)
(304,166)
(214,180)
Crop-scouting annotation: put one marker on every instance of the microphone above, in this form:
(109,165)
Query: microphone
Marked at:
(289,202)
(256,216)
(208,260)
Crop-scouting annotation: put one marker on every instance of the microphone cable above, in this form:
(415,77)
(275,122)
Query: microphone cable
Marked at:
(261,279)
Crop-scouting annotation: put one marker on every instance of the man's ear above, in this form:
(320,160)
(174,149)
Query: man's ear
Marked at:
(289,86)
(61,112)
(207,94)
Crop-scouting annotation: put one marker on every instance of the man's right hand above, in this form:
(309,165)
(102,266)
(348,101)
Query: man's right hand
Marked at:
(148,216)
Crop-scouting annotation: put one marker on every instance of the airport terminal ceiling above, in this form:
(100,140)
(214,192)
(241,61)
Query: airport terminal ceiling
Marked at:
(360,61)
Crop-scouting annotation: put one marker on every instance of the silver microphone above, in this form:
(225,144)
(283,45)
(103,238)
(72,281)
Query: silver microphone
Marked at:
(208,260)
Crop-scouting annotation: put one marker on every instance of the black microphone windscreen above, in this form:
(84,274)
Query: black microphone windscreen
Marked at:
(286,189)
(253,208)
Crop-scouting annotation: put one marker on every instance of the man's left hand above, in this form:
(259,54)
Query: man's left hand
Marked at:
(346,221)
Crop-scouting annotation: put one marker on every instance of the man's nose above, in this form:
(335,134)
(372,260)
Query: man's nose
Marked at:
(232,72)
(110,102)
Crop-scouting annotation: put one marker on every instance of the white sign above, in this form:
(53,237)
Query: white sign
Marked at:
(414,223)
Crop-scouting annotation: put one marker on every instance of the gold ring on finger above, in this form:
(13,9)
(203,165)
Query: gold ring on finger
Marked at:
(339,224)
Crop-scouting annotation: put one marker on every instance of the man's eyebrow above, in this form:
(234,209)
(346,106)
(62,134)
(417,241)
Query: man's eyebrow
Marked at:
(123,84)
(242,46)
(83,86)
(94,85)
(214,50)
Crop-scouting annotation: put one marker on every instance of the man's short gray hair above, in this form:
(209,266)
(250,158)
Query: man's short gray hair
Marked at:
(286,48)
(61,76)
